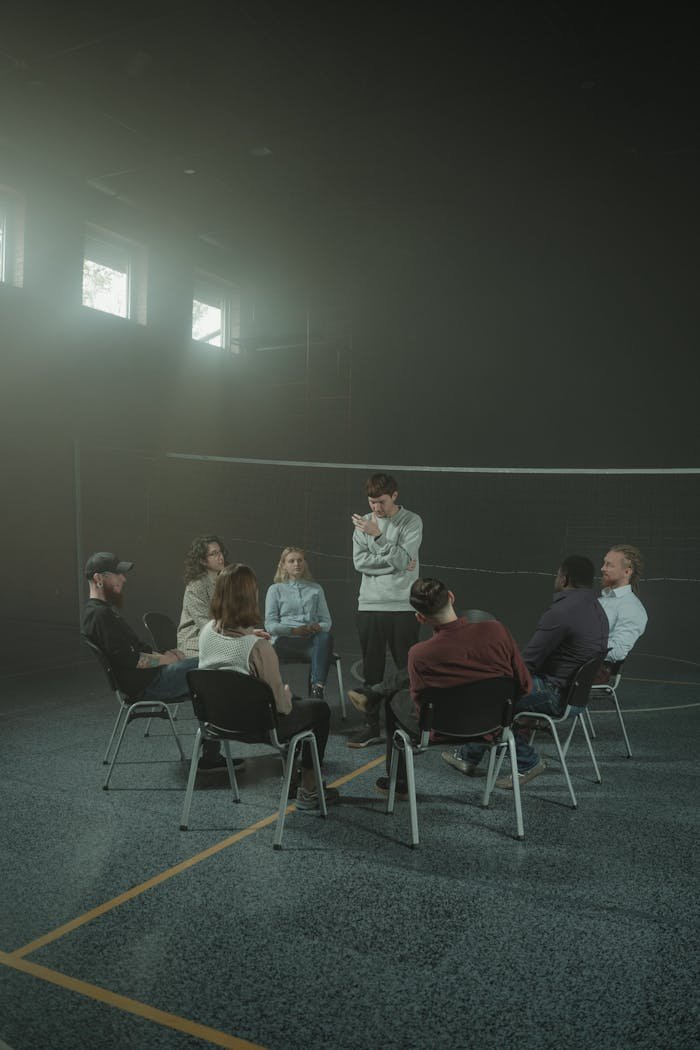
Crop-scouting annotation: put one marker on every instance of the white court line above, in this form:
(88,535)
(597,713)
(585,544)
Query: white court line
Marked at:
(644,710)
(432,470)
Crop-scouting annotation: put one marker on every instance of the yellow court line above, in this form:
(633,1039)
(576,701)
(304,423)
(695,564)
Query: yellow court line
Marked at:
(169,873)
(131,1006)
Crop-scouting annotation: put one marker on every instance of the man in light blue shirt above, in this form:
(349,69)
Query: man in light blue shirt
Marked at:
(626,615)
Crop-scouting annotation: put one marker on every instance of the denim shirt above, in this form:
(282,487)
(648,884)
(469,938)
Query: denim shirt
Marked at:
(293,604)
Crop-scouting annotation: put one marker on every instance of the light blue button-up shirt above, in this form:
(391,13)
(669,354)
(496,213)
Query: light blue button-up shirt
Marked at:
(627,618)
(293,604)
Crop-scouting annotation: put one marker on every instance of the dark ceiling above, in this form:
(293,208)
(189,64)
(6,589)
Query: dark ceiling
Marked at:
(279,125)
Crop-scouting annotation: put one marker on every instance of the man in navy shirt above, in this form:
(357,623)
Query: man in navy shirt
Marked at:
(568,634)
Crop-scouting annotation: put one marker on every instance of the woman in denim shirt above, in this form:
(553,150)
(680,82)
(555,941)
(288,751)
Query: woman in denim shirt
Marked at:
(297,617)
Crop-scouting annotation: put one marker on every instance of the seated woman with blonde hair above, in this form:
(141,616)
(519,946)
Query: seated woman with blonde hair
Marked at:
(297,617)
(203,562)
(234,641)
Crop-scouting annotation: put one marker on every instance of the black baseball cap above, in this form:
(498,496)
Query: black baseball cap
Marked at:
(103,561)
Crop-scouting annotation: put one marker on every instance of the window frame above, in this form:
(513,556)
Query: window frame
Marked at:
(223,295)
(104,243)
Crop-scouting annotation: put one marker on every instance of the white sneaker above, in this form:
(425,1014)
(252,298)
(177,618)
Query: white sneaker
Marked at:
(454,759)
(523,778)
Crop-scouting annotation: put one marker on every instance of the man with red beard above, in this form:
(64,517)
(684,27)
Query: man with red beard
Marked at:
(141,673)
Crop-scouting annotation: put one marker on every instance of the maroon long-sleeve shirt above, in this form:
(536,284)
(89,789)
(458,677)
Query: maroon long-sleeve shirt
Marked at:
(460,652)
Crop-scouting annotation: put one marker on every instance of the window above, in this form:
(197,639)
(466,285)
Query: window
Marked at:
(11,238)
(216,314)
(113,275)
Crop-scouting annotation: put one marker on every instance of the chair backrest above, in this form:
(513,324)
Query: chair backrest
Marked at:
(581,681)
(237,704)
(104,663)
(162,630)
(473,709)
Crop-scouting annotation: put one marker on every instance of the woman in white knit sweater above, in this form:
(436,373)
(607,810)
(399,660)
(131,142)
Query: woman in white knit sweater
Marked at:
(233,640)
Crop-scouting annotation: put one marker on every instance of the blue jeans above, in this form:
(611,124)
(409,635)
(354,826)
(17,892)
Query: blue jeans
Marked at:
(171,681)
(316,649)
(546,698)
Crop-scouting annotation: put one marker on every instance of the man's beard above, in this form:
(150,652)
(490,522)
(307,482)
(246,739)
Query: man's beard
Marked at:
(113,597)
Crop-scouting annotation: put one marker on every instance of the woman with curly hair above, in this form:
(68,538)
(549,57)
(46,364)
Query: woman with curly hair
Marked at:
(297,617)
(203,562)
(233,640)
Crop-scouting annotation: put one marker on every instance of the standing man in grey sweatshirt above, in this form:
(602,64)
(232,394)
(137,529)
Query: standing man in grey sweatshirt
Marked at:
(385,548)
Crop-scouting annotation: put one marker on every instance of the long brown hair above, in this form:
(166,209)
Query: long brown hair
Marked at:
(236,601)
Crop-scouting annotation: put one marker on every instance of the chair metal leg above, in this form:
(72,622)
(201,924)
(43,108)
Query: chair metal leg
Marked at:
(411,783)
(581,719)
(231,772)
(492,772)
(591,727)
(125,723)
(393,773)
(562,760)
(177,738)
(341,690)
(516,785)
(297,743)
(185,816)
(117,725)
(622,724)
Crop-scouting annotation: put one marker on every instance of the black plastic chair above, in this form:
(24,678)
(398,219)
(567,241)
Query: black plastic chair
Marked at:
(575,702)
(232,706)
(130,709)
(609,690)
(478,711)
(162,629)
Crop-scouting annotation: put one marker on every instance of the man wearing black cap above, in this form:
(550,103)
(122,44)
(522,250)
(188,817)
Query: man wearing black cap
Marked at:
(140,672)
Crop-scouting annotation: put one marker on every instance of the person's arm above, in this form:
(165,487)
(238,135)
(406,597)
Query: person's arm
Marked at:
(273,613)
(324,615)
(172,656)
(265,666)
(520,671)
(629,626)
(115,638)
(366,557)
(548,634)
(415,677)
(196,603)
(404,549)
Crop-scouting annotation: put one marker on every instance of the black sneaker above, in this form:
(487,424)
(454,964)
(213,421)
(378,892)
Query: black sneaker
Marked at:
(317,692)
(368,734)
(401,793)
(217,764)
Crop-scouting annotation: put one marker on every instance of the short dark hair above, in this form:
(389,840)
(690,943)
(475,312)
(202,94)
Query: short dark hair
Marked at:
(381,485)
(579,571)
(429,596)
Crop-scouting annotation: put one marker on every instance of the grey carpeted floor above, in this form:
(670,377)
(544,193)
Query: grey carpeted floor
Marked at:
(584,935)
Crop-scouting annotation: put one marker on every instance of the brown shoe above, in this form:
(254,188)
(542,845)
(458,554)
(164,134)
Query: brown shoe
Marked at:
(358,700)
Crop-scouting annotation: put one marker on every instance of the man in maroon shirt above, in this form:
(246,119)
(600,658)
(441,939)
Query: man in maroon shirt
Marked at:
(458,652)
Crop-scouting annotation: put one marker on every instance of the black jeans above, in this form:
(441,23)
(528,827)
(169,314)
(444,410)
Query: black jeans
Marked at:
(398,630)
(306,714)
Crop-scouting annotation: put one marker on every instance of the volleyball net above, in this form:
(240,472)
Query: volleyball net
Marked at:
(494,535)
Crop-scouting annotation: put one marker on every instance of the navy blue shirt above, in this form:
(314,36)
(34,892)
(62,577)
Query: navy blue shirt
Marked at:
(569,633)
